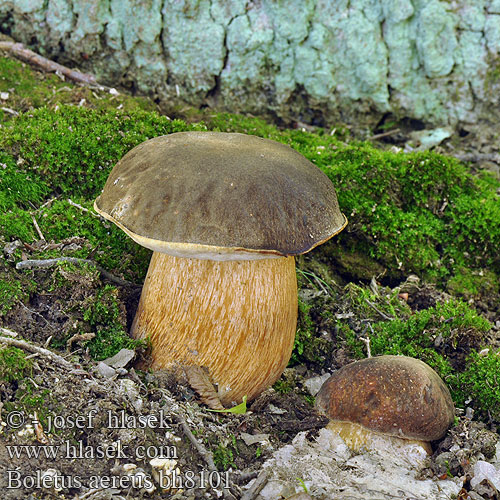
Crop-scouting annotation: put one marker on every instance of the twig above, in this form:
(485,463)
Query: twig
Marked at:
(43,263)
(22,344)
(73,204)
(207,455)
(321,285)
(10,111)
(9,333)
(35,313)
(79,337)
(21,52)
(256,487)
(366,340)
(383,134)
(37,227)
(385,316)
(83,209)
(48,202)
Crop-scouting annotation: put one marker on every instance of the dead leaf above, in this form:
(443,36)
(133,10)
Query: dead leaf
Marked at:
(39,433)
(200,381)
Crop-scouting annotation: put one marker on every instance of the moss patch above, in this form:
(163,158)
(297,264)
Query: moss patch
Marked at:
(28,89)
(447,336)
(75,148)
(13,364)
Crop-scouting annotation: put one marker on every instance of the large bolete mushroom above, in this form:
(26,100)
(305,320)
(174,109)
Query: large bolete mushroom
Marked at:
(398,397)
(224,215)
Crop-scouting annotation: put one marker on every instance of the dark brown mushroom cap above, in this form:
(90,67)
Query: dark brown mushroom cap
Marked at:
(221,191)
(394,395)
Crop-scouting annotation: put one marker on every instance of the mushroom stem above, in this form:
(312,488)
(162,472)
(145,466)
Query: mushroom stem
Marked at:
(357,437)
(237,318)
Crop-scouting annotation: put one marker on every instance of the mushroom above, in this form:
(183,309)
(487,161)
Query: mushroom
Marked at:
(224,214)
(397,397)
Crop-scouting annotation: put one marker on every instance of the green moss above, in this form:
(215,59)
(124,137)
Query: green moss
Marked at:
(415,212)
(225,453)
(473,284)
(479,384)
(29,89)
(13,364)
(283,386)
(19,191)
(10,293)
(26,87)
(432,335)
(446,337)
(307,346)
(75,148)
(364,303)
(107,319)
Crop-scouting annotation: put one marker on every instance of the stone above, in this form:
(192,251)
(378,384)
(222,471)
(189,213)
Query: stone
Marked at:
(428,60)
(121,359)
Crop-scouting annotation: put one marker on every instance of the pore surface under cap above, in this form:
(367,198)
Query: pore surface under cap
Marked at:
(220,191)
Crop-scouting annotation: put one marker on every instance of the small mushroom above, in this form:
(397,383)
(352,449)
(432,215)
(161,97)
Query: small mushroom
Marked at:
(224,215)
(397,397)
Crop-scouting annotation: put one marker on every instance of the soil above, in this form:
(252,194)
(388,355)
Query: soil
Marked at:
(96,423)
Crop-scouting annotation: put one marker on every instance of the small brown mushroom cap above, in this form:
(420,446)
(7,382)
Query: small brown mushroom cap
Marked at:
(220,196)
(394,395)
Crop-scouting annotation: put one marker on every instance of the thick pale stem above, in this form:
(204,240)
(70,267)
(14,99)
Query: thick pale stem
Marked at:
(357,437)
(237,318)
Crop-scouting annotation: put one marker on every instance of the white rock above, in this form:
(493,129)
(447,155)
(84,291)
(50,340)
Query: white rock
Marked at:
(250,439)
(330,470)
(485,471)
(105,370)
(314,384)
(121,358)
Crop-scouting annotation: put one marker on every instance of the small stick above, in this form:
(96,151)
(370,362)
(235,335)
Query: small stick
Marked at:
(22,344)
(73,204)
(366,340)
(10,111)
(27,55)
(48,202)
(79,337)
(9,333)
(83,209)
(207,455)
(256,487)
(37,227)
(43,263)
(379,311)
(321,285)
(383,134)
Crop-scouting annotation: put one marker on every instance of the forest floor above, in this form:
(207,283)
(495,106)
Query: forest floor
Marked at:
(79,419)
